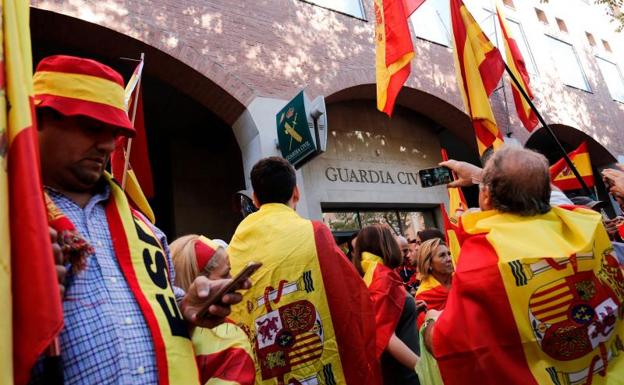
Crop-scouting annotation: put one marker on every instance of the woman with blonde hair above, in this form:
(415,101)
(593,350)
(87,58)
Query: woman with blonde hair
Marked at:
(376,255)
(223,352)
(436,272)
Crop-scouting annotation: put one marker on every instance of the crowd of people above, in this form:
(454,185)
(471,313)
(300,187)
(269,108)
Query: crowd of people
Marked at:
(535,296)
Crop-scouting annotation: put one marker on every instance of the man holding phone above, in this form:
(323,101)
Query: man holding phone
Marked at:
(125,322)
(309,313)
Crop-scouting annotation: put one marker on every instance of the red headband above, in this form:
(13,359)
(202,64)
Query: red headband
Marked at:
(205,249)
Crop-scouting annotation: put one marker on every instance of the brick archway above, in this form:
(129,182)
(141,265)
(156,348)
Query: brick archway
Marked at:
(200,78)
(441,112)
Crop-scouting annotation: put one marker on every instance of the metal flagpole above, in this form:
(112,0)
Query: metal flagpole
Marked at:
(549,130)
(132,118)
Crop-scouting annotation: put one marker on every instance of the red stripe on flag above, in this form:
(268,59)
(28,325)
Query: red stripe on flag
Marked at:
(37,311)
(396,83)
(124,257)
(355,336)
(491,70)
(485,136)
(489,347)
(231,364)
(411,5)
(552,299)
(548,291)
(551,308)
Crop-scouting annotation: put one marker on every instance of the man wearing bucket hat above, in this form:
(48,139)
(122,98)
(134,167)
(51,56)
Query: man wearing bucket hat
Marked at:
(125,322)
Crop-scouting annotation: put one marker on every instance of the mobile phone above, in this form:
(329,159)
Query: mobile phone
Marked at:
(436,176)
(234,285)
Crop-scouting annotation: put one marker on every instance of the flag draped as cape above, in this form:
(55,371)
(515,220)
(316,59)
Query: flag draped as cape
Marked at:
(308,315)
(534,300)
(388,294)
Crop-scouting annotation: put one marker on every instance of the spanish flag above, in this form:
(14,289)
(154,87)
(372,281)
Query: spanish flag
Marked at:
(563,177)
(224,355)
(517,65)
(538,300)
(308,315)
(388,295)
(457,206)
(433,293)
(138,179)
(31,315)
(394,50)
(479,67)
(411,6)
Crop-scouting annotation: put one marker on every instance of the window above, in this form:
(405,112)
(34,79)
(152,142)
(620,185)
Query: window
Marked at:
(606,46)
(562,25)
(590,39)
(517,33)
(348,7)
(432,20)
(567,63)
(613,78)
(515,30)
(402,222)
(541,16)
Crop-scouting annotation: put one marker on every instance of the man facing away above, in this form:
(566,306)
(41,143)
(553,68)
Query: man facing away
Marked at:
(125,323)
(309,315)
(537,294)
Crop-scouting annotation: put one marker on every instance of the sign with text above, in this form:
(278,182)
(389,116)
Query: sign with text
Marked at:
(370,176)
(293,132)
(302,129)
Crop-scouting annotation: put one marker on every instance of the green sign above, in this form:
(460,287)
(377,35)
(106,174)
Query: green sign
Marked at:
(293,133)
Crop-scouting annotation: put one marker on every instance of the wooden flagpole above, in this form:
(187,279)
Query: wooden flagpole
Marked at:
(132,119)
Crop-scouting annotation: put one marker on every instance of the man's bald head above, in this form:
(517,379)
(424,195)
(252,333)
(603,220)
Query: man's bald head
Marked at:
(518,181)
(401,240)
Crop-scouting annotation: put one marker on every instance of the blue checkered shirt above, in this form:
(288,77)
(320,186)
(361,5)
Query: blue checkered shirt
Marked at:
(106,339)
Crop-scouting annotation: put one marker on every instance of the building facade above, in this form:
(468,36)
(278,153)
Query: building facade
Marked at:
(217,72)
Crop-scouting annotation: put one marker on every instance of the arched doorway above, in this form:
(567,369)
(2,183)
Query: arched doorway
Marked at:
(370,170)
(196,161)
(541,141)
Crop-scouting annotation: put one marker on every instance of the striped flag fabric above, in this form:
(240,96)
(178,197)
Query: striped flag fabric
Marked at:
(479,67)
(517,65)
(411,6)
(394,51)
(138,179)
(224,355)
(563,177)
(541,312)
(457,206)
(30,304)
(388,295)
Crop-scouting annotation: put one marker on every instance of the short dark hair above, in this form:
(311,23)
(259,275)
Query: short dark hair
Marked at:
(273,180)
(431,233)
(519,181)
(378,240)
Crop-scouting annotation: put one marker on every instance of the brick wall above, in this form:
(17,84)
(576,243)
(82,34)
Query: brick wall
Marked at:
(274,48)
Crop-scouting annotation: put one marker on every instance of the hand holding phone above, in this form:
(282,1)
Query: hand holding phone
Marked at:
(435,176)
(234,285)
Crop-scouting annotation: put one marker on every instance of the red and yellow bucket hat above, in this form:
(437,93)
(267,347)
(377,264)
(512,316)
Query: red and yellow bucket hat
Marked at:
(77,86)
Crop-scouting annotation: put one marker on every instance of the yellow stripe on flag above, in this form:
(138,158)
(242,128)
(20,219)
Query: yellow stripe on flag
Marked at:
(472,50)
(582,163)
(93,89)
(134,192)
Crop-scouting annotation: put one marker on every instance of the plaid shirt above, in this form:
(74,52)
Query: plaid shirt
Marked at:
(105,339)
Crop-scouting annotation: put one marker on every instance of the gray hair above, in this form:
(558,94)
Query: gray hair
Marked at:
(518,181)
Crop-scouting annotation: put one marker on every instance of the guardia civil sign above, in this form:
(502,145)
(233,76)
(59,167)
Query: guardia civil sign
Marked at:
(294,133)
